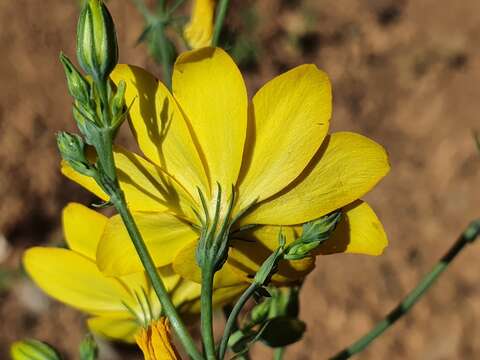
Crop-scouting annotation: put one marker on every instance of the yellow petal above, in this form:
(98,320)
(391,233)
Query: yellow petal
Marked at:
(347,166)
(156,341)
(163,233)
(160,128)
(211,92)
(198,31)
(186,266)
(291,119)
(82,180)
(117,327)
(146,186)
(74,280)
(83,228)
(360,231)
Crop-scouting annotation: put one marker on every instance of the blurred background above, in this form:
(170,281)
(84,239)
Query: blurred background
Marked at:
(405,73)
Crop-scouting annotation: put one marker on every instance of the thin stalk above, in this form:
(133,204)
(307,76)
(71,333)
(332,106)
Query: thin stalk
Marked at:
(222,8)
(278,353)
(468,236)
(206,316)
(105,150)
(232,318)
(164,55)
(156,281)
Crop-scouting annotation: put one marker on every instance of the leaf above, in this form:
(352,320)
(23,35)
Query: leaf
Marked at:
(282,331)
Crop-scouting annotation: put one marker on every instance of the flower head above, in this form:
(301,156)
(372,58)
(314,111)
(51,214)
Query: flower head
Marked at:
(119,306)
(273,153)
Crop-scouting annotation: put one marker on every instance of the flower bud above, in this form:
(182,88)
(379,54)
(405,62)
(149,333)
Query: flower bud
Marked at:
(97,48)
(32,349)
(72,150)
(78,86)
(156,341)
(118,104)
(314,233)
(88,349)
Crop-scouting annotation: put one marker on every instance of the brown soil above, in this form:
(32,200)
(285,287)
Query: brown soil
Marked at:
(405,73)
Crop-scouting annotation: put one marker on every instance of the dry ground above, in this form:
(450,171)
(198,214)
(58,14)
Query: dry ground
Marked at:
(405,73)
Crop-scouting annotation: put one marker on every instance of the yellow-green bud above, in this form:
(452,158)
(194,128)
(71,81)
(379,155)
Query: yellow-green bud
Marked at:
(97,48)
(78,86)
(72,150)
(32,349)
(314,233)
(88,349)
(118,104)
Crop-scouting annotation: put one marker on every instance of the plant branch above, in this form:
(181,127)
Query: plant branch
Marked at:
(468,236)
(219,19)
(206,316)
(232,318)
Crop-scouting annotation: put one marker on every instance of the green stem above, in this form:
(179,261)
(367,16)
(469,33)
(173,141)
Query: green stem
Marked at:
(232,318)
(468,236)
(206,316)
(156,281)
(104,149)
(278,353)
(164,55)
(219,19)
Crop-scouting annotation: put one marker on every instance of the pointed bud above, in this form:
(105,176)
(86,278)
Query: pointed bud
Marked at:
(72,150)
(118,104)
(78,86)
(314,233)
(32,349)
(270,266)
(97,48)
(88,348)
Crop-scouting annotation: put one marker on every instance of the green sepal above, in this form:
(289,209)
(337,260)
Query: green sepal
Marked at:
(78,86)
(270,266)
(33,349)
(88,348)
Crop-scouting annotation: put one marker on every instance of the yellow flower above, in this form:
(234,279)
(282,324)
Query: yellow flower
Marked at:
(274,149)
(156,341)
(198,32)
(119,306)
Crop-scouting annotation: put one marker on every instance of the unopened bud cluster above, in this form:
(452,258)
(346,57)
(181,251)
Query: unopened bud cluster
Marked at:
(99,108)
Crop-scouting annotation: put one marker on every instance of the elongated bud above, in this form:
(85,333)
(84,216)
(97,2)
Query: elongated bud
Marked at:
(88,349)
(314,233)
(118,104)
(97,48)
(156,341)
(32,349)
(270,265)
(199,30)
(78,86)
(72,150)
